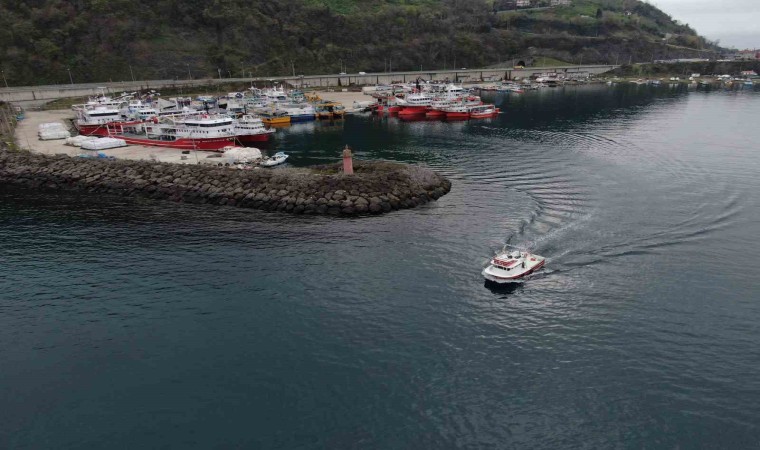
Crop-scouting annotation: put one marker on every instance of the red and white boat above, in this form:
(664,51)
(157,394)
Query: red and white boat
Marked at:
(250,129)
(93,116)
(459,112)
(194,132)
(511,265)
(439,107)
(484,112)
(414,104)
(387,105)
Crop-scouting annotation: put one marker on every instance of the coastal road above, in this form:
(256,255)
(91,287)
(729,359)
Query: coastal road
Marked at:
(35,95)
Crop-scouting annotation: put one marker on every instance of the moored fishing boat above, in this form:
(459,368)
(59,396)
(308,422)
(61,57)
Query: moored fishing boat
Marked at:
(137,110)
(93,120)
(249,129)
(484,112)
(275,117)
(414,104)
(459,112)
(435,113)
(194,132)
(509,266)
(299,112)
(330,110)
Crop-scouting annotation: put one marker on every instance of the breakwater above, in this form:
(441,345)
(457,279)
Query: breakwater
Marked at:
(374,188)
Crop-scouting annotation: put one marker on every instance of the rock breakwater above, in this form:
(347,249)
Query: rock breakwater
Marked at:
(374,188)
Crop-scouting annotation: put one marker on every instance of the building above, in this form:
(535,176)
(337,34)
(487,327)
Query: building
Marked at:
(522,3)
(560,3)
(747,55)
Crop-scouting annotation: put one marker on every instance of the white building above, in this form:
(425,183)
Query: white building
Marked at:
(560,2)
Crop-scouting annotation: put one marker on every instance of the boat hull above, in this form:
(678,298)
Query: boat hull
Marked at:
(251,138)
(303,117)
(487,115)
(435,114)
(413,110)
(102,129)
(276,120)
(213,144)
(457,115)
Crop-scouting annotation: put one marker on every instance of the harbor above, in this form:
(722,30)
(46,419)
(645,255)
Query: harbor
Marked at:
(180,307)
(386,224)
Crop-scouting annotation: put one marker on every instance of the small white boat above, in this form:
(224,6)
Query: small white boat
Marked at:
(277,159)
(512,265)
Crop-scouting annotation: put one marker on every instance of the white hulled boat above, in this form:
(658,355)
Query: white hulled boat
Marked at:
(186,132)
(511,265)
(250,129)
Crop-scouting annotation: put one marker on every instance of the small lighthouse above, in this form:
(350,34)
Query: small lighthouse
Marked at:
(348,162)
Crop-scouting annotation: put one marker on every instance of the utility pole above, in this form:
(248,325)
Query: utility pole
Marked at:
(341,65)
(131,73)
(219,71)
(293,66)
(70,78)
(189,75)
(4,80)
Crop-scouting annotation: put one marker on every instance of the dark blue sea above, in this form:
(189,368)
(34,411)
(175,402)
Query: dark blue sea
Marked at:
(129,323)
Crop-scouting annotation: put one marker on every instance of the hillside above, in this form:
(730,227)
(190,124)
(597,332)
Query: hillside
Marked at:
(43,41)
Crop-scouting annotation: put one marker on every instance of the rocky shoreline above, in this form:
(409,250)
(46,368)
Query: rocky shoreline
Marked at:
(374,188)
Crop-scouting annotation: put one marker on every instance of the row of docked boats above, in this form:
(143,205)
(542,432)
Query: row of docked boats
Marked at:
(207,123)
(185,129)
(276,106)
(451,102)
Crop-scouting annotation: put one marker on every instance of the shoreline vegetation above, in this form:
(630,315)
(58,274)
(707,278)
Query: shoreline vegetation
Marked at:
(49,42)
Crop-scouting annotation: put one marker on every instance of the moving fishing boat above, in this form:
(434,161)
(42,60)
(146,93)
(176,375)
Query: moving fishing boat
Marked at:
(250,129)
(511,265)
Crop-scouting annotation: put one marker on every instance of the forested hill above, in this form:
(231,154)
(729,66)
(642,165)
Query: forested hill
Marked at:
(42,41)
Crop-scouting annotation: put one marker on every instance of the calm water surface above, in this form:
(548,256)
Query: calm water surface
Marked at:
(138,324)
